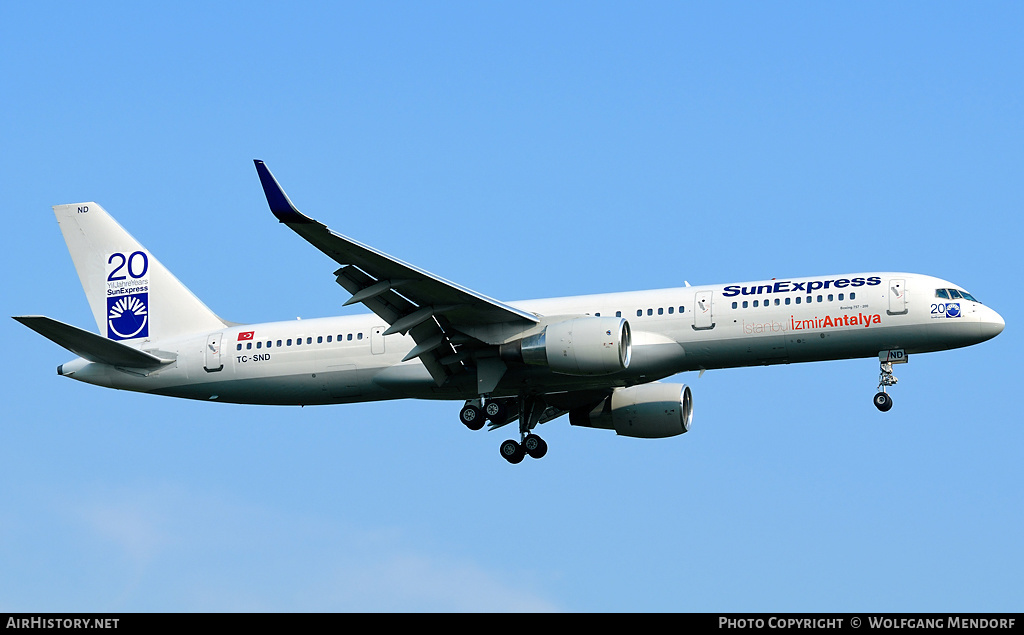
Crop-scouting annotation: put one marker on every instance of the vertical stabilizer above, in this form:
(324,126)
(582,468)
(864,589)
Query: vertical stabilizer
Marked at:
(132,296)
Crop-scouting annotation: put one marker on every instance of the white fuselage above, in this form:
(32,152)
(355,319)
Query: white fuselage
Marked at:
(348,359)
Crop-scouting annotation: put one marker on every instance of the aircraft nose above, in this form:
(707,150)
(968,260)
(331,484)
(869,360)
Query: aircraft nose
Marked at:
(991,324)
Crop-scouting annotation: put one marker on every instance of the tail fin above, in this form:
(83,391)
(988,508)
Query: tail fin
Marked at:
(132,296)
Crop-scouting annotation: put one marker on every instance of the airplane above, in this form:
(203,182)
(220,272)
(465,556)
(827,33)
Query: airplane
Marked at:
(599,358)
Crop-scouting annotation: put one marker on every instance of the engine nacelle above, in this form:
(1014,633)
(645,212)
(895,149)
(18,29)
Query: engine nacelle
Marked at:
(647,411)
(580,346)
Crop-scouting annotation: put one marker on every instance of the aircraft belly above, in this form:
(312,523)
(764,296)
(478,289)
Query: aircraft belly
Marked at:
(654,353)
(282,390)
(408,379)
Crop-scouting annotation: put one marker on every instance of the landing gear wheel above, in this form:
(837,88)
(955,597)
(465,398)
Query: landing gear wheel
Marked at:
(535,446)
(883,402)
(512,452)
(472,417)
(495,412)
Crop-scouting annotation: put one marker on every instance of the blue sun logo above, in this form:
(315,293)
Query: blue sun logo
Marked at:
(128,316)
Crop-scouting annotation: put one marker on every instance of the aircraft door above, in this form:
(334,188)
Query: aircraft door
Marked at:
(377,340)
(702,317)
(212,361)
(897,297)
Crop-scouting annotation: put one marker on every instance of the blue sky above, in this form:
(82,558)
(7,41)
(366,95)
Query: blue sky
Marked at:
(523,150)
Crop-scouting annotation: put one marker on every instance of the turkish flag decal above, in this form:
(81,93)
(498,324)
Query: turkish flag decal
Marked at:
(245,335)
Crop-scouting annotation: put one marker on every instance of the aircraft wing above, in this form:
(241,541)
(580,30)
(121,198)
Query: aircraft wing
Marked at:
(438,314)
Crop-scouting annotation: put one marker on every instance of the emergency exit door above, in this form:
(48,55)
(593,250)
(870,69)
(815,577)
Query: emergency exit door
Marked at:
(212,358)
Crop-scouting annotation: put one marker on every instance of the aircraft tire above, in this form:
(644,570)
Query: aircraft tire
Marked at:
(883,402)
(535,446)
(472,417)
(512,452)
(495,412)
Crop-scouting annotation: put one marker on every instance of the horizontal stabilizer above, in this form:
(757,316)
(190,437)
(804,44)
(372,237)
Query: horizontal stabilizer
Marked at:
(89,345)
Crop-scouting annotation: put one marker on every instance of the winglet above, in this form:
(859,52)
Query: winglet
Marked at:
(279,202)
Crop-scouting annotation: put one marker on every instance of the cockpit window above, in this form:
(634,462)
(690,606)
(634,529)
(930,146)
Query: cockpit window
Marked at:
(954,294)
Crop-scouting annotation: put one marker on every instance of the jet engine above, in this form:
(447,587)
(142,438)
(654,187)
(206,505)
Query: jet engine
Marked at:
(580,346)
(647,411)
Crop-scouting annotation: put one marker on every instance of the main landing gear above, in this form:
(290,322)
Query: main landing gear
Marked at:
(500,412)
(532,445)
(474,417)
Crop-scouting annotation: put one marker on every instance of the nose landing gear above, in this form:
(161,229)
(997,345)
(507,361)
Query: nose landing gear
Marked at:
(885,378)
(883,401)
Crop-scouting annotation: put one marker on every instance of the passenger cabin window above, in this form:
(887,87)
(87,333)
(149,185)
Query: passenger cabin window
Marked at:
(618,314)
(671,309)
